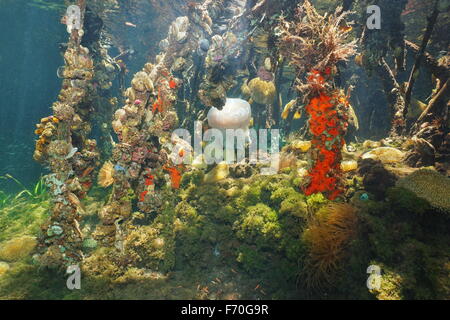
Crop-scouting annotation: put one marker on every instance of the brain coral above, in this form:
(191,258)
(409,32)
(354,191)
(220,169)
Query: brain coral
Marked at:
(429,185)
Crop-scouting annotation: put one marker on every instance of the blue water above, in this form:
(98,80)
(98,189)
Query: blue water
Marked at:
(29,58)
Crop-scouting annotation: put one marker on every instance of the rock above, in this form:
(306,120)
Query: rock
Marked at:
(376,179)
(302,146)
(385,155)
(241,170)
(402,172)
(350,165)
(369,144)
(220,172)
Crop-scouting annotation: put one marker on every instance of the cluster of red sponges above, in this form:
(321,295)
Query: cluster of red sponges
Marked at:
(328,125)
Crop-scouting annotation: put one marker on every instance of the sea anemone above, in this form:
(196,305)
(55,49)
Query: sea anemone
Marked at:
(328,236)
(105,176)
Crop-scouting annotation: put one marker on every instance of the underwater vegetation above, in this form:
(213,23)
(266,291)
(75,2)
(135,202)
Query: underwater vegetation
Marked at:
(129,200)
(299,246)
(38,193)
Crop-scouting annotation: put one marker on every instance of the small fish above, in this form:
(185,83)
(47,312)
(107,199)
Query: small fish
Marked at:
(71,153)
(345,28)
(129,24)
(87,172)
(297,115)
(288,108)
(74,200)
(353,118)
(359,60)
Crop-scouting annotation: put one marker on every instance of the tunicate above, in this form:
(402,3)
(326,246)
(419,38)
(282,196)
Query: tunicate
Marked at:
(60,72)
(78,83)
(364,197)
(55,230)
(73,18)
(236,114)
(204,44)
(164,44)
(179,29)
(71,153)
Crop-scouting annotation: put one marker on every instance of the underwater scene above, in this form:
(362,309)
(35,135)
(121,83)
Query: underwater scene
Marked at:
(224,150)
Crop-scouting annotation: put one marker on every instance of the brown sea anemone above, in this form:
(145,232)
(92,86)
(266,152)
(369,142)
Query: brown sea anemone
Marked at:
(328,235)
(105,176)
